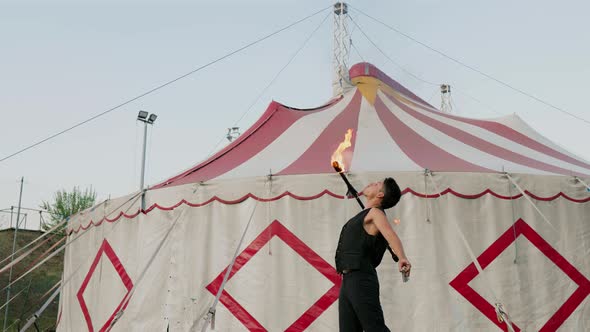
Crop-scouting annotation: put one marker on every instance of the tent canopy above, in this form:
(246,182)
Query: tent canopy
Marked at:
(393,129)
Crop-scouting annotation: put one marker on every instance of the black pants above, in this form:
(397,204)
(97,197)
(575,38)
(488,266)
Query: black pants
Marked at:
(359,308)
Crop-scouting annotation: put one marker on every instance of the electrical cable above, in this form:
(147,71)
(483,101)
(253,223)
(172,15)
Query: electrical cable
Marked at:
(475,69)
(271,82)
(161,85)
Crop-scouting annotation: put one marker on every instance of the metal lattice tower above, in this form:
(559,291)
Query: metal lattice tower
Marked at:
(445,95)
(341,79)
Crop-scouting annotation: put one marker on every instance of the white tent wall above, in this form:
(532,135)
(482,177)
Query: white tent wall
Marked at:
(274,285)
(132,238)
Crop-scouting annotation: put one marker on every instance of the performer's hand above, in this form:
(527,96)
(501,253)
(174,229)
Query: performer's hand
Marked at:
(404,266)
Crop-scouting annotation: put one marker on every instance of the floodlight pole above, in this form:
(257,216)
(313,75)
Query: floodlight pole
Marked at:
(20,196)
(146,118)
(141,181)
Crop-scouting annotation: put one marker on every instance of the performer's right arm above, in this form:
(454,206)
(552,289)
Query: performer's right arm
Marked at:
(380,220)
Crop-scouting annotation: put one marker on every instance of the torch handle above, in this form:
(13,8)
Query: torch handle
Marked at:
(393,255)
(352,191)
(359,201)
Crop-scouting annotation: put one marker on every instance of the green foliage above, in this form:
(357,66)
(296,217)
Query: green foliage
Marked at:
(34,286)
(67,204)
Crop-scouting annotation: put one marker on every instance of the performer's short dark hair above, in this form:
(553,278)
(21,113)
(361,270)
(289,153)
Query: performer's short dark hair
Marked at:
(391,193)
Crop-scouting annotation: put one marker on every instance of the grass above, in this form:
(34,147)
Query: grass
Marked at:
(33,286)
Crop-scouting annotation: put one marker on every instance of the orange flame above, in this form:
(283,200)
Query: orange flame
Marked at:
(337,158)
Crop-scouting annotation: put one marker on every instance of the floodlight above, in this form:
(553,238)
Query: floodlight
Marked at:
(142,115)
(152,118)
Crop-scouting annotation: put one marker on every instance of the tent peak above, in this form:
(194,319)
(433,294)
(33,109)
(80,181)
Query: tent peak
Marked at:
(368,79)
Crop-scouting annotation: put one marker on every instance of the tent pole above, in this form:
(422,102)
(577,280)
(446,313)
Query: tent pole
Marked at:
(501,314)
(210,318)
(582,182)
(22,179)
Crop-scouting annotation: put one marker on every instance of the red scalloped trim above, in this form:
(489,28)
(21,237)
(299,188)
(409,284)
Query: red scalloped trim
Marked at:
(324,192)
(92,223)
(490,192)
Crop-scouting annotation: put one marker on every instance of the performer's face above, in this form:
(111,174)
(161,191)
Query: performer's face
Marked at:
(373,189)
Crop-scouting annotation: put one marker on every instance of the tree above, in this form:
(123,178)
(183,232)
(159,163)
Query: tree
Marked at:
(66,204)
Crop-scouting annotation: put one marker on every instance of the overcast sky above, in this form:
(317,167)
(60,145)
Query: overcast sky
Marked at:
(64,62)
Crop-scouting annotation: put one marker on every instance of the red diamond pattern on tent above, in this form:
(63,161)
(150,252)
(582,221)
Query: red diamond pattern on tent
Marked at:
(311,314)
(461,281)
(107,250)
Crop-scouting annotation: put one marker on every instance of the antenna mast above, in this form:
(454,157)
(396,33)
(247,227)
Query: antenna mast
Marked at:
(341,81)
(445,95)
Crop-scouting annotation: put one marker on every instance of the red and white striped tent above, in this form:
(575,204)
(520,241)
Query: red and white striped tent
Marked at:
(395,131)
(492,190)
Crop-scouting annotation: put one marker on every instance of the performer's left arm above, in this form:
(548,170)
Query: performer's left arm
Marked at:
(380,221)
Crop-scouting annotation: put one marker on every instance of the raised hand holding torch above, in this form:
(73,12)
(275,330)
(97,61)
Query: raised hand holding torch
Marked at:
(337,164)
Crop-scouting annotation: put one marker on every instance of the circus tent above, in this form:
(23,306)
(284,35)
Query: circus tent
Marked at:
(494,216)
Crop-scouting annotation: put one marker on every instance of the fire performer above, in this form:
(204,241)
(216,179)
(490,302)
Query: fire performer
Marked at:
(362,244)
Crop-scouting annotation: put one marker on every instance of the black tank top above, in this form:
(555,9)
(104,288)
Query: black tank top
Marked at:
(357,249)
